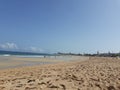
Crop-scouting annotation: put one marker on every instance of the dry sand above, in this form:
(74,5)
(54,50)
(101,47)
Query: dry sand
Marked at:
(93,74)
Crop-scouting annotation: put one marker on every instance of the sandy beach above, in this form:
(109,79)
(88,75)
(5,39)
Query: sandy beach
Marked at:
(23,61)
(93,74)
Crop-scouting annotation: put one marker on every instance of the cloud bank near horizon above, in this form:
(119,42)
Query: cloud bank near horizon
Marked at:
(8,46)
(14,47)
(34,49)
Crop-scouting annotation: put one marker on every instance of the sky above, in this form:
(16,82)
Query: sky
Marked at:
(77,26)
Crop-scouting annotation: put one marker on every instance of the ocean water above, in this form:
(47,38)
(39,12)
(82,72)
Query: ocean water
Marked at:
(23,54)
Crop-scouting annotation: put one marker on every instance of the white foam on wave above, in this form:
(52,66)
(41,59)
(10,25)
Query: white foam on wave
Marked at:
(6,55)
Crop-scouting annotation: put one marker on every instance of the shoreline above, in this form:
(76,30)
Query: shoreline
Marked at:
(7,62)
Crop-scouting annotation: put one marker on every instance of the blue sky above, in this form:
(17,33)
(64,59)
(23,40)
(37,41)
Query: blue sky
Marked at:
(60,25)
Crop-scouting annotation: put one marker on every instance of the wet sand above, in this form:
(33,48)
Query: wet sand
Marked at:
(93,74)
(18,61)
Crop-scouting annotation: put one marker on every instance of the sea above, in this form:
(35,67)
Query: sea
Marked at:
(23,54)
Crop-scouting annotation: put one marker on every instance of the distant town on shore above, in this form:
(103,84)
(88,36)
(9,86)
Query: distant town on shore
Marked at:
(109,54)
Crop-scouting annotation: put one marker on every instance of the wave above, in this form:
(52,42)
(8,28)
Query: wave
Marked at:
(24,56)
(6,55)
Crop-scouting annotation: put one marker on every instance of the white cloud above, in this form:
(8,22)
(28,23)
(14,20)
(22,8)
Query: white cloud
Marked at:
(34,49)
(14,47)
(8,46)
